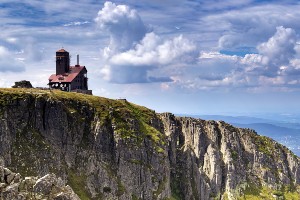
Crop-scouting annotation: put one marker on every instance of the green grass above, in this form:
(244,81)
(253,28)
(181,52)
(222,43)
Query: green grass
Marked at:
(134,197)
(112,111)
(265,145)
(254,192)
(121,188)
(77,183)
(234,155)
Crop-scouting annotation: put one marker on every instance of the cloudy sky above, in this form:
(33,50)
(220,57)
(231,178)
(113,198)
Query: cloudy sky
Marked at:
(194,57)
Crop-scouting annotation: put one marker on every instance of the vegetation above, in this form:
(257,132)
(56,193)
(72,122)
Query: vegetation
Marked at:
(134,197)
(77,182)
(255,192)
(234,155)
(265,145)
(124,116)
(121,189)
(28,149)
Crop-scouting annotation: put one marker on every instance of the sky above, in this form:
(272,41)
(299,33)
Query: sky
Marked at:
(238,57)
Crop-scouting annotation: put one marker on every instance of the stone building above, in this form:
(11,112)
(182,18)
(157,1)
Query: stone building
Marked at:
(69,78)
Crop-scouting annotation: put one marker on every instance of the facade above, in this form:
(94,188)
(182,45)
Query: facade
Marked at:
(69,78)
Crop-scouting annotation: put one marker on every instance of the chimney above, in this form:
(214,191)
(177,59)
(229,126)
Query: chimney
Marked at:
(78,60)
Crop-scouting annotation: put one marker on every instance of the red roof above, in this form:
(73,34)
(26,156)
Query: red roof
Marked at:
(67,77)
(61,50)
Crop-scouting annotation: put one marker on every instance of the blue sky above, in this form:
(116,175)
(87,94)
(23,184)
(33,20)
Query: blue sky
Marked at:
(239,57)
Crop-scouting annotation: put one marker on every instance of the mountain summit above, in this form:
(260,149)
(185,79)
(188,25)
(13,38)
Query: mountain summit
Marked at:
(113,149)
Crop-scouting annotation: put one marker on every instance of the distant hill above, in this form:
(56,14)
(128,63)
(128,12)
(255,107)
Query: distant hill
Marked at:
(270,130)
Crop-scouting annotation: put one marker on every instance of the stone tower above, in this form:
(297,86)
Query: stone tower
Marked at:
(62,61)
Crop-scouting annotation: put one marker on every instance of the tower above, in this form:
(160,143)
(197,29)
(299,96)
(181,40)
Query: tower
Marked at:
(62,61)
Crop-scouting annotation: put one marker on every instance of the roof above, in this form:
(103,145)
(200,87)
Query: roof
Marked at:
(67,77)
(61,50)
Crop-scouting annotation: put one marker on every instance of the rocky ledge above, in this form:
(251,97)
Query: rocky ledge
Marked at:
(113,149)
(13,186)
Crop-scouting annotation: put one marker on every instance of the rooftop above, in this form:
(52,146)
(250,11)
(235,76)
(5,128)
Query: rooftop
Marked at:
(61,50)
(67,77)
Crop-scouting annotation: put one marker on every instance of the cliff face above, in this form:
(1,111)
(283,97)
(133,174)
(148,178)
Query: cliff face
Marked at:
(216,160)
(112,149)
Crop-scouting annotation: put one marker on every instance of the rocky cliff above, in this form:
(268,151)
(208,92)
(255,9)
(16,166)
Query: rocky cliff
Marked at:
(13,186)
(113,149)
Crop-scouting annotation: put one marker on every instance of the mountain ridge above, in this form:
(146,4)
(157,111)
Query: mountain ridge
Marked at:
(113,149)
(284,132)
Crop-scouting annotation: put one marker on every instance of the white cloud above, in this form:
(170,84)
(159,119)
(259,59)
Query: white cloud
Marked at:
(152,53)
(295,63)
(280,48)
(11,40)
(9,61)
(263,80)
(252,25)
(217,56)
(275,56)
(274,65)
(123,24)
(76,23)
(152,50)
(134,51)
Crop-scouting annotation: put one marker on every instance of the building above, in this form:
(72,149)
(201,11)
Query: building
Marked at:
(69,78)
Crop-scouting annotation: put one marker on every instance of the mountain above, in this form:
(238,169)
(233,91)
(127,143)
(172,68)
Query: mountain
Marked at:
(113,149)
(284,130)
(270,130)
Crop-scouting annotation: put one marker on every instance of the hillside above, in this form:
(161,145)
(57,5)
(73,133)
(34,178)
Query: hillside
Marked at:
(113,149)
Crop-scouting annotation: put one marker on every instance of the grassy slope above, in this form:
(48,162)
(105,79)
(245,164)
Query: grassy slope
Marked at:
(118,111)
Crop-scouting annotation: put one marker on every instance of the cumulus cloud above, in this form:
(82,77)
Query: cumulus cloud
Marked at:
(276,64)
(124,25)
(134,51)
(9,61)
(278,51)
(252,25)
(280,48)
(152,52)
(136,54)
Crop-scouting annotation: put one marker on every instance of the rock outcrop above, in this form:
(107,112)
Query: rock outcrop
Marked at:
(13,186)
(22,84)
(113,149)
(217,160)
